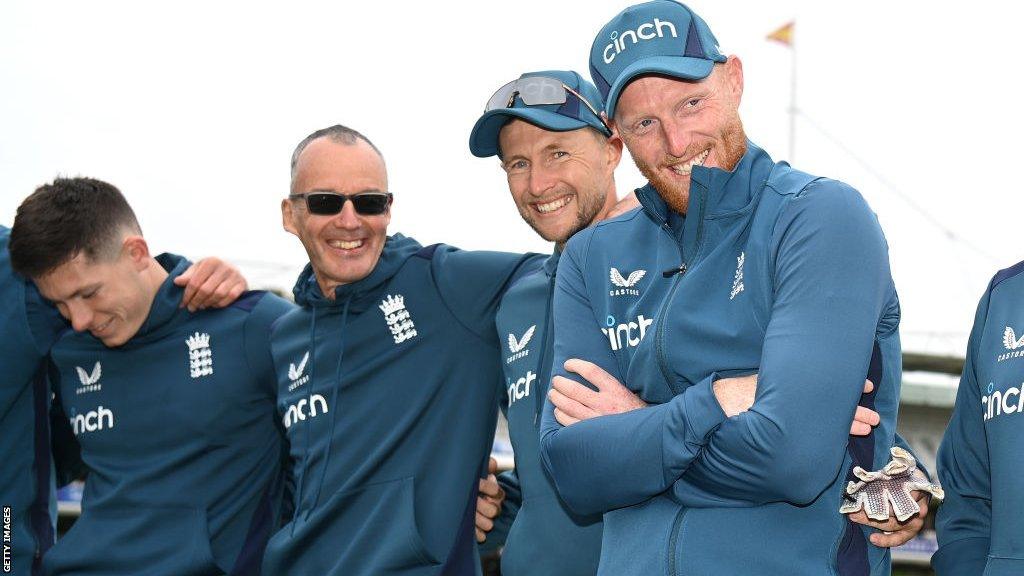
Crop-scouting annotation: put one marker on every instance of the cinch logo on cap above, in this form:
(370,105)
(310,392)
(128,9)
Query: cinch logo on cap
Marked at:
(645,31)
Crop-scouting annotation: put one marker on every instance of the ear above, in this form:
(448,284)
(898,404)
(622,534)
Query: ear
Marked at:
(288,216)
(614,145)
(734,78)
(135,248)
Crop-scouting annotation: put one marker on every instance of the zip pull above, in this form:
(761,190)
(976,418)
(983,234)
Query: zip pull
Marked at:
(673,271)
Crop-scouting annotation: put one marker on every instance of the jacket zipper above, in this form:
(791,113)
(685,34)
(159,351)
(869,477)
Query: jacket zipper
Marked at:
(673,542)
(659,335)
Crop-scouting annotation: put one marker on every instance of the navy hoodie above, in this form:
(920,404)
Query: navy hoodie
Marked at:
(178,430)
(28,327)
(387,393)
(979,526)
(545,538)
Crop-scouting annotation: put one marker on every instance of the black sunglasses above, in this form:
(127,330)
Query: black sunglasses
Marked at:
(331,203)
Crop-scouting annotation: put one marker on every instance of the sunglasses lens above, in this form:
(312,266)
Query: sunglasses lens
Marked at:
(533,91)
(538,91)
(324,204)
(371,204)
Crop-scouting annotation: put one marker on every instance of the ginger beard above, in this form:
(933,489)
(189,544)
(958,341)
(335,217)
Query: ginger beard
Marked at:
(724,151)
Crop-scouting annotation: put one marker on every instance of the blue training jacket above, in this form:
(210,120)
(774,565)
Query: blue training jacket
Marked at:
(771,271)
(979,524)
(28,327)
(546,538)
(388,394)
(179,433)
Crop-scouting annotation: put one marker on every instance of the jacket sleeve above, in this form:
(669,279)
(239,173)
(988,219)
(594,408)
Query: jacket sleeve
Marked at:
(473,282)
(613,461)
(831,287)
(43,319)
(964,521)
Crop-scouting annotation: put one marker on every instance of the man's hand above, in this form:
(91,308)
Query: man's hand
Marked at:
(892,531)
(574,401)
(488,501)
(210,283)
(864,419)
(736,395)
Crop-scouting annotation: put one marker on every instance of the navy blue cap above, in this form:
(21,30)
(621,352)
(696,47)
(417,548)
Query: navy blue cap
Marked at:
(572,115)
(659,37)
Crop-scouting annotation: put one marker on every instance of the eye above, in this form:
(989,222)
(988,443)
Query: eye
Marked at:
(516,166)
(559,154)
(90,294)
(693,102)
(643,126)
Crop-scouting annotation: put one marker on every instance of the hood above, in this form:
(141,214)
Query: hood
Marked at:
(165,309)
(397,249)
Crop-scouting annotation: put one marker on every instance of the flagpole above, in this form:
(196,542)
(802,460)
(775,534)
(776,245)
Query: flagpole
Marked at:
(792,102)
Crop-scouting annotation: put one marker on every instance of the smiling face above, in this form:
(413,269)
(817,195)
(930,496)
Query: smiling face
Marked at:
(671,125)
(344,247)
(110,298)
(561,182)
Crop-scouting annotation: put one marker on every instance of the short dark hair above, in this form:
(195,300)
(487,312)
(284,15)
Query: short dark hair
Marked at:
(68,217)
(337,133)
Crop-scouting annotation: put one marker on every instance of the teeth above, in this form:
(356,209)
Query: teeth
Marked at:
(553,205)
(345,245)
(104,327)
(685,169)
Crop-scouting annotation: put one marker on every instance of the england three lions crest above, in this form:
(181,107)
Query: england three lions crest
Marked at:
(200,355)
(399,321)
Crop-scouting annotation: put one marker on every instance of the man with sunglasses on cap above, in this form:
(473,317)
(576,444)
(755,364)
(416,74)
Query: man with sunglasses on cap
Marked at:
(387,377)
(560,157)
(757,267)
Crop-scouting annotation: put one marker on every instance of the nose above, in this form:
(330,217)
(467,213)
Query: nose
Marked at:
(541,180)
(79,315)
(677,140)
(348,218)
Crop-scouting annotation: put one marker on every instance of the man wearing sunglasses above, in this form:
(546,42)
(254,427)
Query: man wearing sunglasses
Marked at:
(756,267)
(172,411)
(387,377)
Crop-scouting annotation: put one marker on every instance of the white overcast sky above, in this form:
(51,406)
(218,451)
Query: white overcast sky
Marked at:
(192,109)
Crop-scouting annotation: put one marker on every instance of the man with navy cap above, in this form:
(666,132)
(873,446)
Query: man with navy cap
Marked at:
(560,158)
(754,267)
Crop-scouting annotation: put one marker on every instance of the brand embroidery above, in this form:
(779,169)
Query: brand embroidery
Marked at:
(737,280)
(398,319)
(625,284)
(295,373)
(90,382)
(1013,344)
(98,419)
(645,31)
(518,347)
(305,408)
(200,356)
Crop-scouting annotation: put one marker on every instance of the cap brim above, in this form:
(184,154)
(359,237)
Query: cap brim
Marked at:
(683,67)
(483,140)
